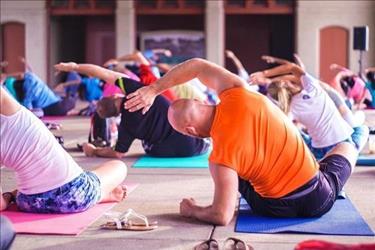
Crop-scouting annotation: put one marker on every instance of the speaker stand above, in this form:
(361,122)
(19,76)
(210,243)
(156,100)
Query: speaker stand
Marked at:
(360,62)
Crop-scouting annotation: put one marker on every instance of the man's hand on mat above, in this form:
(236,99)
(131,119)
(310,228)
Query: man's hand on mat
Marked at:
(187,206)
(88,149)
(66,67)
(142,98)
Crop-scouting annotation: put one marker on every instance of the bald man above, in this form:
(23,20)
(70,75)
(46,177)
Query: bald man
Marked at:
(256,149)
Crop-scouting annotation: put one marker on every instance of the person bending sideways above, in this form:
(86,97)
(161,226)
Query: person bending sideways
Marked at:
(256,149)
(158,137)
(48,179)
(304,99)
(33,93)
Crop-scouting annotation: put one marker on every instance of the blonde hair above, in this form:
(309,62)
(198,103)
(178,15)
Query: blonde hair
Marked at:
(281,94)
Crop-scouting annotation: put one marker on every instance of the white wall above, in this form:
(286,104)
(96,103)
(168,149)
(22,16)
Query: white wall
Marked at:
(314,15)
(125,27)
(34,15)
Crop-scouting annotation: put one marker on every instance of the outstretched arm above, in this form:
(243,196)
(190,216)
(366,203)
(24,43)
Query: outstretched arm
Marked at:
(210,74)
(166,52)
(235,60)
(335,66)
(272,59)
(107,75)
(290,71)
(299,61)
(223,206)
(136,57)
(27,65)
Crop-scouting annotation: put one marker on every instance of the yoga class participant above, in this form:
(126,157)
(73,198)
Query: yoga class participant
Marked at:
(157,135)
(304,100)
(48,179)
(256,149)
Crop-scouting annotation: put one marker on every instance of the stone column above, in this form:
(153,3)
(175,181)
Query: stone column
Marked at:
(215,28)
(125,27)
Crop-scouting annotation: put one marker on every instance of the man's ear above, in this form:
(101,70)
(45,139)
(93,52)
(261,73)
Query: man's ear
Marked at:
(191,131)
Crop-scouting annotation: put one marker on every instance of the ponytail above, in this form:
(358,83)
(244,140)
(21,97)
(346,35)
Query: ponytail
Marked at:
(280,93)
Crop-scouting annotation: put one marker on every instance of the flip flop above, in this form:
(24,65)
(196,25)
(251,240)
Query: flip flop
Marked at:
(122,221)
(210,244)
(236,244)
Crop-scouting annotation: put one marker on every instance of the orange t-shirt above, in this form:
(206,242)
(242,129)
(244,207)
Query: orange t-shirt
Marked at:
(254,137)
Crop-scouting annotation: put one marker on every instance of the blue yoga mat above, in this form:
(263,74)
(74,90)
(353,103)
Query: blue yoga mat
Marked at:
(200,161)
(342,219)
(366,160)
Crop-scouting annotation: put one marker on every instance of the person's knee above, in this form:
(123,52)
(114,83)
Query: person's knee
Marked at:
(347,150)
(120,167)
(344,148)
(7,233)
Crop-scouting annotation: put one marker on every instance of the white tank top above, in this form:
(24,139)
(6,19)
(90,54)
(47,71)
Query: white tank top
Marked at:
(31,150)
(314,109)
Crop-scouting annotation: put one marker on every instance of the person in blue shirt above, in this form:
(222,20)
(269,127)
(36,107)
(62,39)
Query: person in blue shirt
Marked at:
(33,93)
(92,88)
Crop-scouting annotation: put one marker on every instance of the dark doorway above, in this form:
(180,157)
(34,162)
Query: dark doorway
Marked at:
(82,39)
(251,36)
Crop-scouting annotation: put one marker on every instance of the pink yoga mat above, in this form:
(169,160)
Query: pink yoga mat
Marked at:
(54,118)
(68,224)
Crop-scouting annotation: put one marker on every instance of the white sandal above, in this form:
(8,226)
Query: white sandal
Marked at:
(122,221)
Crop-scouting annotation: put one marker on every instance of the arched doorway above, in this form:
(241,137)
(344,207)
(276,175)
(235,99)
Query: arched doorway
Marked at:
(13,45)
(334,48)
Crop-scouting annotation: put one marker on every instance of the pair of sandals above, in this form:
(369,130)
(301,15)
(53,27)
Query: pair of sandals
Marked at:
(230,243)
(129,220)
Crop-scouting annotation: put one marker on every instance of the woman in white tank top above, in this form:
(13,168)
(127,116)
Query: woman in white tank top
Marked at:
(301,97)
(48,179)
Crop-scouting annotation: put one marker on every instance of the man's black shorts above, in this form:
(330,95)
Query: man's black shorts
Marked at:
(313,199)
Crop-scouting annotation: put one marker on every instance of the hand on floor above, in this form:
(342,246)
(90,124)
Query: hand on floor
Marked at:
(186,207)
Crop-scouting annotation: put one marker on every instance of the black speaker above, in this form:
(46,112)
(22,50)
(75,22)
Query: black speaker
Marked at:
(360,38)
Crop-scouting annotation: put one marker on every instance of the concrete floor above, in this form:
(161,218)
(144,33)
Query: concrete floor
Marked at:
(158,197)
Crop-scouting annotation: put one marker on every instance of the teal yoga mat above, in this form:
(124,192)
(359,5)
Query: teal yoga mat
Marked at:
(200,161)
(366,160)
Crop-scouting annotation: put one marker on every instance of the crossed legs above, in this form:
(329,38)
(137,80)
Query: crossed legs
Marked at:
(111,175)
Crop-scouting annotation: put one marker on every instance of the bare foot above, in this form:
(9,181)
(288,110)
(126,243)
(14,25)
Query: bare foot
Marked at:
(119,193)
(88,149)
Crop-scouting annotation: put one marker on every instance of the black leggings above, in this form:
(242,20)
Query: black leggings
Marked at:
(313,199)
(61,107)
